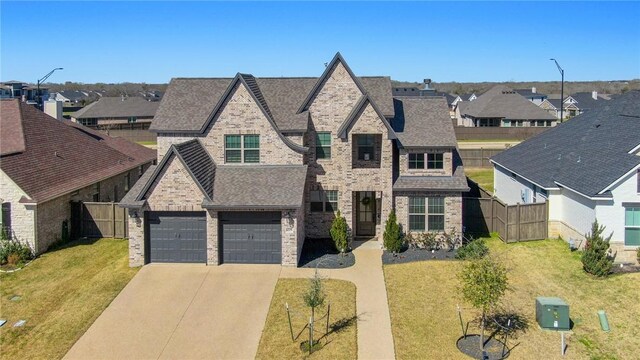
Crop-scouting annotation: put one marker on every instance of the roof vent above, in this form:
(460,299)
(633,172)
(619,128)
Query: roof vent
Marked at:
(597,126)
(579,158)
(559,156)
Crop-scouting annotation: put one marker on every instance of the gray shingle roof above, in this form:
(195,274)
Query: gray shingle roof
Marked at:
(457,182)
(528,93)
(118,107)
(587,153)
(585,101)
(199,163)
(188,103)
(360,106)
(502,102)
(423,121)
(259,186)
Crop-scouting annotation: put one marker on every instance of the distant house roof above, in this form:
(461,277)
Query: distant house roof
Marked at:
(585,100)
(423,122)
(74,95)
(414,91)
(502,102)
(188,102)
(117,107)
(57,157)
(528,93)
(586,154)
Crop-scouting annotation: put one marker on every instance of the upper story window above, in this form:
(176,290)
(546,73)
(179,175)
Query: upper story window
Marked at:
(323,145)
(242,148)
(632,226)
(435,161)
(324,201)
(132,119)
(366,145)
(89,122)
(416,161)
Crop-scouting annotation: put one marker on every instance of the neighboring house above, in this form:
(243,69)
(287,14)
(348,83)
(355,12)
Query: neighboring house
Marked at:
(46,163)
(73,97)
(152,95)
(117,113)
(20,90)
(427,92)
(502,107)
(532,95)
(575,104)
(251,167)
(587,169)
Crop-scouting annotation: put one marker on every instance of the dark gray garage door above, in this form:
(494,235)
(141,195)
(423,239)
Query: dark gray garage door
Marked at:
(250,237)
(178,236)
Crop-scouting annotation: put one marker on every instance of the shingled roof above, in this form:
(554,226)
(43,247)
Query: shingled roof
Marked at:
(118,107)
(502,102)
(586,154)
(457,182)
(189,102)
(59,157)
(423,122)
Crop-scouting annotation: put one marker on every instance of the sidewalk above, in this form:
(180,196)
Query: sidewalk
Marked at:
(374,324)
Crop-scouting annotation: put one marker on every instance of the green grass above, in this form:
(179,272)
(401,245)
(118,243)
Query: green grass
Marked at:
(483,176)
(62,292)
(147,143)
(340,343)
(423,297)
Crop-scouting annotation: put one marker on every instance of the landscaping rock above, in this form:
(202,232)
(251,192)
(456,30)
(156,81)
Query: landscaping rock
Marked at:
(321,253)
(470,346)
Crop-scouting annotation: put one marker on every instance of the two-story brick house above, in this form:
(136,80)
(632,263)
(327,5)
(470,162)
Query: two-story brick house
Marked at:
(251,167)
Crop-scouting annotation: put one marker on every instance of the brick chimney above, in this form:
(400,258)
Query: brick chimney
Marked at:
(534,90)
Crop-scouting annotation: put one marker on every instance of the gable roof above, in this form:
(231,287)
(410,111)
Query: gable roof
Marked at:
(502,102)
(586,154)
(528,93)
(188,102)
(59,156)
(423,122)
(195,159)
(118,107)
(337,59)
(357,111)
(73,95)
(585,101)
(249,82)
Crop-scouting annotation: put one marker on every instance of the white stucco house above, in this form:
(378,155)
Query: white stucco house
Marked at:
(587,168)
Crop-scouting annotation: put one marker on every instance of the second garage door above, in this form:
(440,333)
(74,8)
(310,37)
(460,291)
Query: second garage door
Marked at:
(251,237)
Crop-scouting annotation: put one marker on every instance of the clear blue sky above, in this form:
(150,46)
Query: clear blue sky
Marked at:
(446,41)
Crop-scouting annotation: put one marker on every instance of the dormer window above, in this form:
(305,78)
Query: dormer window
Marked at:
(416,161)
(435,161)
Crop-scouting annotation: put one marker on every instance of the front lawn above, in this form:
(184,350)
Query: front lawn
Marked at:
(341,342)
(423,298)
(61,294)
(482,176)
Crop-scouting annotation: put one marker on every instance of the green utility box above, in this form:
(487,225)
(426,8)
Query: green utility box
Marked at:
(552,313)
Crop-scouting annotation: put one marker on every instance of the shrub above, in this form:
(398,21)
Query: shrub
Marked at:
(392,237)
(596,259)
(451,240)
(13,248)
(638,255)
(428,240)
(339,233)
(475,249)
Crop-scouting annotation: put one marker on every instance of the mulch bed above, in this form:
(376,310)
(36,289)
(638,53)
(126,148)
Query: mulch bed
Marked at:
(410,255)
(626,269)
(321,253)
(470,346)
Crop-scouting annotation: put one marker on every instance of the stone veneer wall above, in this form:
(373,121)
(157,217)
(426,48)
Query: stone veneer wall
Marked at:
(447,166)
(329,109)
(452,208)
(41,225)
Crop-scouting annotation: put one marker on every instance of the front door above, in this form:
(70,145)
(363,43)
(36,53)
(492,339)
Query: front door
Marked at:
(365,213)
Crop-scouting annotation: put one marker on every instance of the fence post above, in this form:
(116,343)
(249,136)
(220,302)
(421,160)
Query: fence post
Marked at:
(518,222)
(506,223)
(546,219)
(113,218)
(492,226)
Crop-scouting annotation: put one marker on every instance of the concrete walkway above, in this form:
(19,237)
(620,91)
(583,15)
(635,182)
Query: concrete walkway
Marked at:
(182,311)
(374,323)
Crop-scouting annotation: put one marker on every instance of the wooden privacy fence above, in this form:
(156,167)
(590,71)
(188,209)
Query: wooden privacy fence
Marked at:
(98,219)
(513,223)
(478,158)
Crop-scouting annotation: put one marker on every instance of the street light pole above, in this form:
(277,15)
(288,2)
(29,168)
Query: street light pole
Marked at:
(561,90)
(40,81)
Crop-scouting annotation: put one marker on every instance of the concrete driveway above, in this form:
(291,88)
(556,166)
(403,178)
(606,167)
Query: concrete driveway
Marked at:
(184,312)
